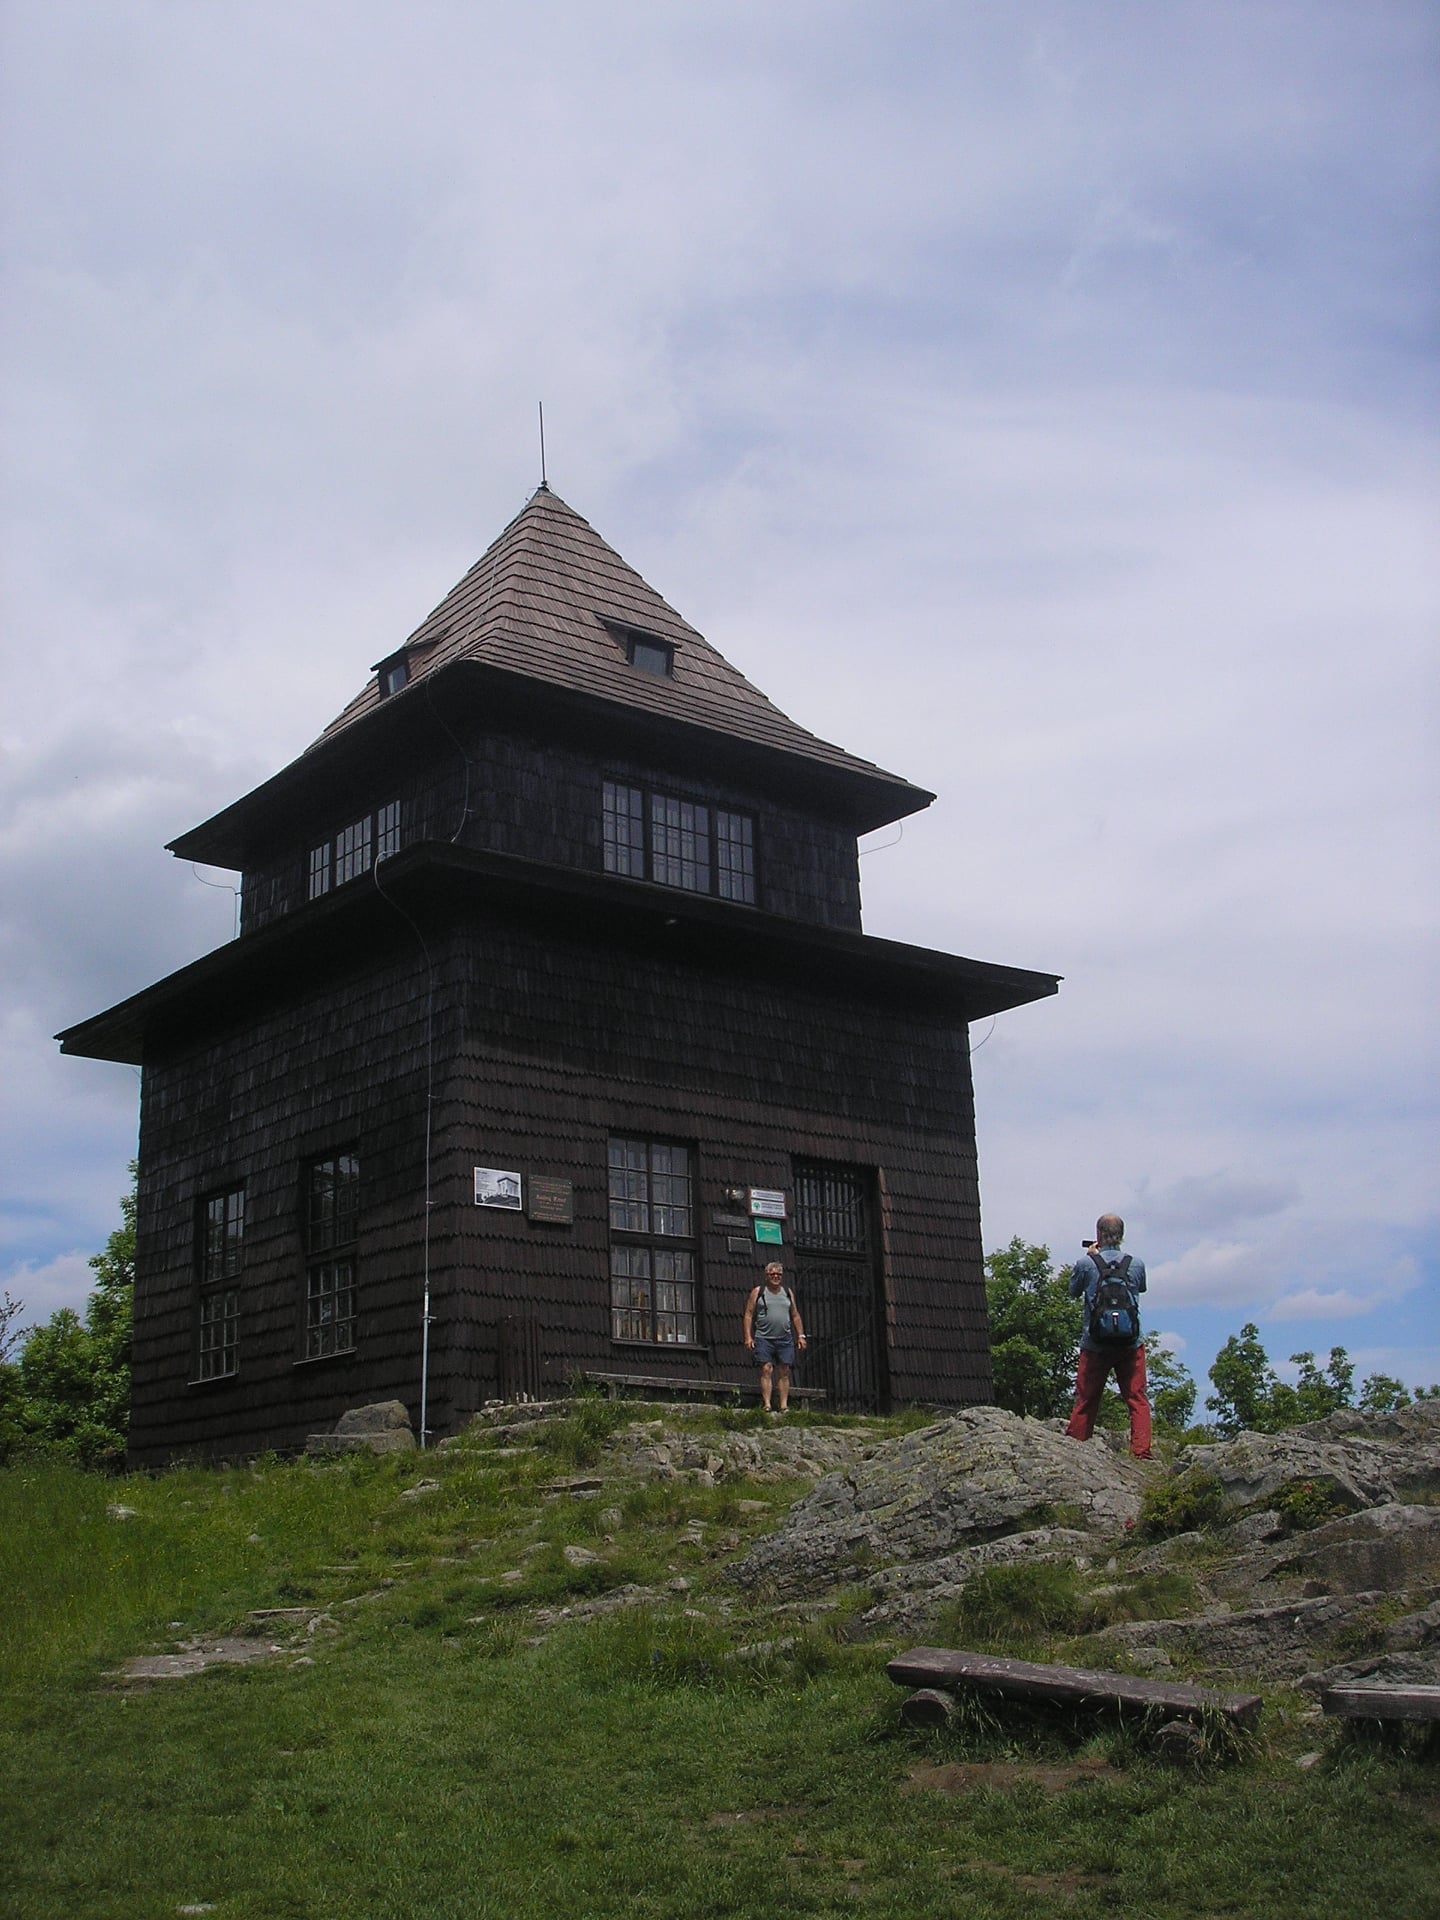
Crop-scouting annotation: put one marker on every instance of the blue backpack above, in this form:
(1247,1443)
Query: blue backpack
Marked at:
(1114,1310)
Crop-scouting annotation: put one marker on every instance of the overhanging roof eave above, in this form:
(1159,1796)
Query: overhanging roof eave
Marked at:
(867,797)
(973,989)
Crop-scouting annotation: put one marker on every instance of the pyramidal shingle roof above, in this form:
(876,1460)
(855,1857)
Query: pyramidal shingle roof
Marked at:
(537,603)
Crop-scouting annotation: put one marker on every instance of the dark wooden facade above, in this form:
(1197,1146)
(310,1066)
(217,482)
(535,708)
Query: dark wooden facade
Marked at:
(450,959)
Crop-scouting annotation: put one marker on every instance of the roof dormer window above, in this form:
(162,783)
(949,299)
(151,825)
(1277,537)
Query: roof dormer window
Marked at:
(647,651)
(650,656)
(393,674)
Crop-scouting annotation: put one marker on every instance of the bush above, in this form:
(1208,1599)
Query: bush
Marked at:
(1188,1503)
(1303,1504)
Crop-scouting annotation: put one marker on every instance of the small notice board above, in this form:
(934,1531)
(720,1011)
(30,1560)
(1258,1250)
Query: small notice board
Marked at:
(549,1200)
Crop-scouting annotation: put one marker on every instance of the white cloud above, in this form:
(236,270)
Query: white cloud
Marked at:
(1336,1303)
(64,1281)
(1213,1271)
(1174,1343)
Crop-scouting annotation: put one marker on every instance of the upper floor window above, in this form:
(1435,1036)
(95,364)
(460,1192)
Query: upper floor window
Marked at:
(352,850)
(355,849)
(332,1215)
(387,831)
(220,1255)
(679,843)
(223,1243)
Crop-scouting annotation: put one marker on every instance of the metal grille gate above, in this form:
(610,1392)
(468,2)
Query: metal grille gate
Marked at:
(836,1282)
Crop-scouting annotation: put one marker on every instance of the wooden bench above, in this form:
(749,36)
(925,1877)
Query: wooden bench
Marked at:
(617,1383)
(1382,1703)
(931,1668)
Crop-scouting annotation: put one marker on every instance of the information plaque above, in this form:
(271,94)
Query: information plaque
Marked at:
(767,1203)
(550,1201)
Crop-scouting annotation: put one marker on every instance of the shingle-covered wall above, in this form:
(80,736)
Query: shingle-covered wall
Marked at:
(544,1041)
(539,802)
(754,1074)
(340,1067)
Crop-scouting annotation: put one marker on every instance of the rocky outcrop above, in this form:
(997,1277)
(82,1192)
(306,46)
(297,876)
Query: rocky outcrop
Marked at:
(657,1451)
(1385,1549)
(1361,1460)
(381,1427)
(904,1597)
(916,1519)
(950,1488)
(1277,1642)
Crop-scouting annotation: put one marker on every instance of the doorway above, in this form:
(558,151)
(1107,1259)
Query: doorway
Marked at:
(838,1284)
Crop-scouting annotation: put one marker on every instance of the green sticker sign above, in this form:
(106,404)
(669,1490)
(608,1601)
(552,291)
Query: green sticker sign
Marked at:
(769,1232)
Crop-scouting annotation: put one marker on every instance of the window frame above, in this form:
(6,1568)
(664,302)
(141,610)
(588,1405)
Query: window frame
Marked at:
(219,1265)
(638,1245)
(356,849)
(653,847)
(641,640)
(330,1238)
(392,676)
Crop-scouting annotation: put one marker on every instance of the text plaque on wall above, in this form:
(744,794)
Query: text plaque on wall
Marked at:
(549,1200)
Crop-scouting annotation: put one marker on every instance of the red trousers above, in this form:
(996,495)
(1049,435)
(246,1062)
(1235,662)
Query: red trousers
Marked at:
(1090,1377)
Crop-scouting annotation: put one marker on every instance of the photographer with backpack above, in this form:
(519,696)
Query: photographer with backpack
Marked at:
(1111,1283)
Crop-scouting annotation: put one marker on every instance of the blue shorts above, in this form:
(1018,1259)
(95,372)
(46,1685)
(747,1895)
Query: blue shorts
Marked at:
(767,1352)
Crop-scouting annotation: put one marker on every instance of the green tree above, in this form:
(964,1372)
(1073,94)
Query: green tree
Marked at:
(1249,1395)
(1383,1393)
(1317,1393)
(1172,1390)
(73,1389)
(10,1393)
(10,1312)
(1244,1383)
(1034,1331)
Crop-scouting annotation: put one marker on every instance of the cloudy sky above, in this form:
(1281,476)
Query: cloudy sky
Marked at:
(1037,399)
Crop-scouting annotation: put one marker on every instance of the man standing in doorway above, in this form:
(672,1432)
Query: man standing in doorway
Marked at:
(1110,1282)
(772,1333)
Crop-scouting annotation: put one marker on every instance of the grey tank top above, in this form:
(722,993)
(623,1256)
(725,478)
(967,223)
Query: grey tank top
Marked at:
(772,1314)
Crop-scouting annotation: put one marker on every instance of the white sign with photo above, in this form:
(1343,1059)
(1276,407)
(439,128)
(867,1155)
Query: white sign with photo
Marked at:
(495,1187)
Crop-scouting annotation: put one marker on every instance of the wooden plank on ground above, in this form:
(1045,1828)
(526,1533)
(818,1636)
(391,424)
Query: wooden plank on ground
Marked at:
(1070,1686)
(1382,1703)
(656,1382)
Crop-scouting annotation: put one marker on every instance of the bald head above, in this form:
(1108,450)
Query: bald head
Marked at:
(1109,1230)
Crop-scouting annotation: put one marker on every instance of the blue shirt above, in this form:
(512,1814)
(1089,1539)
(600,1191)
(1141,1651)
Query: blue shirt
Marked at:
(1085,1279)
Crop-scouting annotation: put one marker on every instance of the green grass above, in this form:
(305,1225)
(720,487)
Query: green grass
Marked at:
(425,1757)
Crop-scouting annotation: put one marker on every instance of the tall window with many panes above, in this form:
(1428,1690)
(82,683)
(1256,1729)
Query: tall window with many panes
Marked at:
(332,1214)
(221,1255)
(652,1243)
(679,843)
